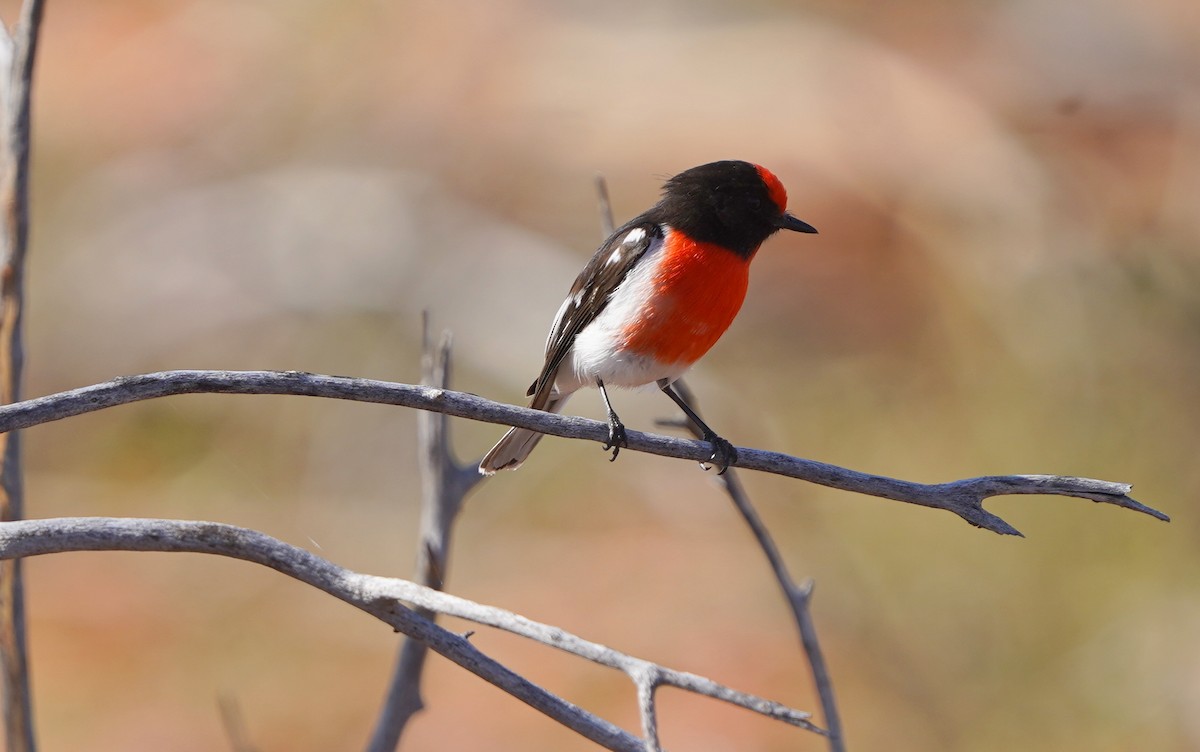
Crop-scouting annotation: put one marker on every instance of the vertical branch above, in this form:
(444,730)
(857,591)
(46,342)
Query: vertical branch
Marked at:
(444,486)
(798,597)
(14,237)
(607,227)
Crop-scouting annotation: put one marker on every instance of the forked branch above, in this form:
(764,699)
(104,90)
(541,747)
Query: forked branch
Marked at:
(381,597)
(963,497)
(445,484)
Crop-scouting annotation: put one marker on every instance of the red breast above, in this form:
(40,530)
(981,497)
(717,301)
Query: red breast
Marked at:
(699,288)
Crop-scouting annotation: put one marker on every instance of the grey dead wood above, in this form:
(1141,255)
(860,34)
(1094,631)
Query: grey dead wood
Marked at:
(799,598)
(18,50)
(383,597)
(445,484)
(962,497)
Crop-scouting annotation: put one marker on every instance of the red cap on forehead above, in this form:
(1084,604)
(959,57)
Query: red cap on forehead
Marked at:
(774,188)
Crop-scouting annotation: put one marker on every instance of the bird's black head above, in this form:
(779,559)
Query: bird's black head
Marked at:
(734,204)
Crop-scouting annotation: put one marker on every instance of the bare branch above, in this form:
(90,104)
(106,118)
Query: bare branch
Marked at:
(20,52)
(963,497)
(646,681)
(607,226)
(444,485)
(798,598)
(378,596)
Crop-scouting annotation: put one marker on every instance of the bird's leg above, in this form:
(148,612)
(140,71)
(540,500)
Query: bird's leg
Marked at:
(723,454)
(616,429)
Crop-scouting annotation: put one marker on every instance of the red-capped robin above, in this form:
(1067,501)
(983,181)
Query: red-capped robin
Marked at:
(658,293)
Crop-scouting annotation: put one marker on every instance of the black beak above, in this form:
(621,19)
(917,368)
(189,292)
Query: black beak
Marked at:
(788,222)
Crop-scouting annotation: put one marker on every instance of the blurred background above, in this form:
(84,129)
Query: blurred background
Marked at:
(1007,280)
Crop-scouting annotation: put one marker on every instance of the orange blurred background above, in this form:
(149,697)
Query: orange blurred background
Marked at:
(1007,280)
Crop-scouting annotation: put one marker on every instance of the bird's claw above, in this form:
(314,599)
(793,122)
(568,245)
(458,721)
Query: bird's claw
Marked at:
(723,454)
(617,440)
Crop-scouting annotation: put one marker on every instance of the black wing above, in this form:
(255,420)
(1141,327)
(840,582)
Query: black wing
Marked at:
(591,292)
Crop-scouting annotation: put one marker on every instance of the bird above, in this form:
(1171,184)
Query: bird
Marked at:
(655,297)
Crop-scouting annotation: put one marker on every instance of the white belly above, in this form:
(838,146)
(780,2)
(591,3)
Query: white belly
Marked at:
(597,352)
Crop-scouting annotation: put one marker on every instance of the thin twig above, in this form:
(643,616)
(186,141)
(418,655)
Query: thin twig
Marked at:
(962,497)
(379,596)
(444,486)
(607,226)
(798,598)
(802,599)
(14,242)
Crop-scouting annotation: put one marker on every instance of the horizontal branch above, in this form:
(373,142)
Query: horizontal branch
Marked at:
(378,596)
(963,497)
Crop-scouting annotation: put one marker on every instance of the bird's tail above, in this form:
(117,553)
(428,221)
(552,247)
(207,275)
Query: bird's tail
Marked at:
(515,446)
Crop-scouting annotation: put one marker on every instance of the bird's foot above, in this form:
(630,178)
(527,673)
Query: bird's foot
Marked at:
(617,440)
(723,454)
